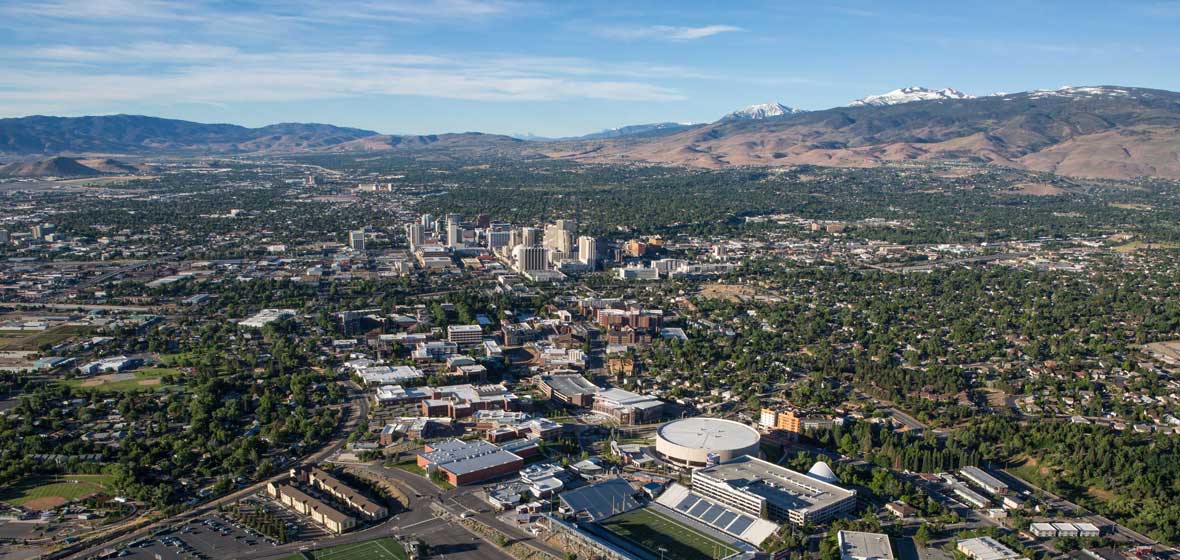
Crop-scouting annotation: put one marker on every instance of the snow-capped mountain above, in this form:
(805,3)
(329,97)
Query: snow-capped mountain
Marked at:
(763,111)
(906,95)
(1080,92)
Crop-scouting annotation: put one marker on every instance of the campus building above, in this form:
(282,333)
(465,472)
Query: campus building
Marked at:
(764,489)
(468,462)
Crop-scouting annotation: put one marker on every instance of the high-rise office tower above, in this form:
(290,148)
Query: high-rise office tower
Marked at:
(414,235)
(587,250)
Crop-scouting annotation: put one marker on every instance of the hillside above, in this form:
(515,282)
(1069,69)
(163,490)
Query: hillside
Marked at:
(133,134)
(1105,131)
(52,167)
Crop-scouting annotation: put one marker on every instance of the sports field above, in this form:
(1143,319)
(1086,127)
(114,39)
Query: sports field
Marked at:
(148,379)
(380,549)
(653,531)
(47,493)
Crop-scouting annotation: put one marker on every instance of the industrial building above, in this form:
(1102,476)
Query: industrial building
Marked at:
(769,491)
(1064,529)
(700,442)
(984,480)
(857,545)
(468,462)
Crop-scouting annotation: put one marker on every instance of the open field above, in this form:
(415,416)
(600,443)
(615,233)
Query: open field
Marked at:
(48,493)
(653,531)
(34,340)
(1137,245)
(727,292)
(379,549)
(1036,189)
(1168,351)
(146,378)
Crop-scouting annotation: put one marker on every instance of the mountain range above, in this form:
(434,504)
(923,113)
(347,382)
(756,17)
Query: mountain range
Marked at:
(1098,131)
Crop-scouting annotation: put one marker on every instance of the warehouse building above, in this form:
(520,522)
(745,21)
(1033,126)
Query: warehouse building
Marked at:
(984,480)
(766,490)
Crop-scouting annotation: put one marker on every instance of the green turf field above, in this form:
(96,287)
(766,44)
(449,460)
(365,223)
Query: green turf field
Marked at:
(653,531)
(48,492)
(146,379)
(379,549)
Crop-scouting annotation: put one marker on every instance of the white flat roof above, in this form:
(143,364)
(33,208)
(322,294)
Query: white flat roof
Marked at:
(709,433)
(864,546)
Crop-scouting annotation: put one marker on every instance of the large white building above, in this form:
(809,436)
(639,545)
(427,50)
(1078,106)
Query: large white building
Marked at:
(699,442)
(772,492)
(465,335)
(587,250)
(454,235)
(529,258)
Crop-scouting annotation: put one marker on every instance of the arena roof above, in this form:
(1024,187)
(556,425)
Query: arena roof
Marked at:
(709,433)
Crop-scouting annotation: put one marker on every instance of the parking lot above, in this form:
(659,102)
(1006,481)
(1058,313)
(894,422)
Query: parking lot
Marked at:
(208,538)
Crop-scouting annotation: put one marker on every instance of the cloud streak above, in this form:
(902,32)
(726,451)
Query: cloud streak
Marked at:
(66,77)
(666,32)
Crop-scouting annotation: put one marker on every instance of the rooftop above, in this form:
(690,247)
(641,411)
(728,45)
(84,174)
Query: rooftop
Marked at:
(864,546)
(570,384)
(777,485)
(709,433)
(463,457)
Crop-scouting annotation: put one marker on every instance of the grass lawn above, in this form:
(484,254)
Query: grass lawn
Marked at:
(50,492)
(414,468)
(380,549)
(653,531)
(144,378)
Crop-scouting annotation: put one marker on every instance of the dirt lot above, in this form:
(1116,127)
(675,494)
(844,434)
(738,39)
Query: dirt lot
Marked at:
(728,292)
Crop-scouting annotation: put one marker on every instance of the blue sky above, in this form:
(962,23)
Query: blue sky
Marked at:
(552,68)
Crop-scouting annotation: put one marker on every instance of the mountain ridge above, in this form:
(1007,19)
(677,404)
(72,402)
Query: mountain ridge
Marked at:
(1091,131)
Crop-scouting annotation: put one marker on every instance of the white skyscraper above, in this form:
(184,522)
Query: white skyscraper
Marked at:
(427,222)
(454,235)
(587,250)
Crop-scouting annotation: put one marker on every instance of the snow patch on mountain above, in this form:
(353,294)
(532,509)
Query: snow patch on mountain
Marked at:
(763,111)
(909,94)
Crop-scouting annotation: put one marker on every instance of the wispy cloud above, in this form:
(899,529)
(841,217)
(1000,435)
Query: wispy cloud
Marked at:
(119,54)
(67,78)
(666,32)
